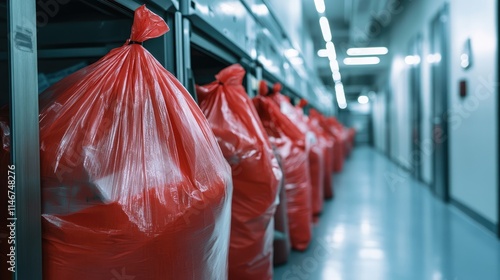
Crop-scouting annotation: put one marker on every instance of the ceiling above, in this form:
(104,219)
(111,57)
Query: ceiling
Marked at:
(353,23)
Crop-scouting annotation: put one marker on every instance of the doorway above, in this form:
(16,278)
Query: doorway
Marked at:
(439,90)
(415,50)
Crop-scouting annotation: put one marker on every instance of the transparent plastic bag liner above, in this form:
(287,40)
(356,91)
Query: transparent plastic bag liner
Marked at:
(133,181)
(290,143)
(255,170)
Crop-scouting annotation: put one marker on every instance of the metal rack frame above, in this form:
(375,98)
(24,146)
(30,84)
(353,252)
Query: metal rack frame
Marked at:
(25,138)
(172,50)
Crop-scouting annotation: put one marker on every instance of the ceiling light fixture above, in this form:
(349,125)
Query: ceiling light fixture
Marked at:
(370,60)
(323,53)
(325,29)
(434,58)
(367,51)
(334,66)
(330,47)
(363,99)
(336,77)
(412,59)
(340,94)
(320,6)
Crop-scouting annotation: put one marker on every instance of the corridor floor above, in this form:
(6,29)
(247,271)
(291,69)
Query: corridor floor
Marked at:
(383,225)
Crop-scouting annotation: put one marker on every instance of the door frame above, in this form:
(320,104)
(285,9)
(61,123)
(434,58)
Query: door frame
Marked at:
(415,48)
(443,37)
(388,103)
(498,120)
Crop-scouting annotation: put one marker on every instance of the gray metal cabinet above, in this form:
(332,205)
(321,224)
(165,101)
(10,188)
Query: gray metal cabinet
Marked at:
(229,18)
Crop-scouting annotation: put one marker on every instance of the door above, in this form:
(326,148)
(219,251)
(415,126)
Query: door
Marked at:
(439,83)
(388,117)
(415,50)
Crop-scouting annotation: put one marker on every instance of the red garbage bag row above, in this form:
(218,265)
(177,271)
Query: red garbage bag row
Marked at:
(291,145)
(316,150)
(324,146)
(335,132)
(328,142)
(255,169)
(343,132)
(133,180)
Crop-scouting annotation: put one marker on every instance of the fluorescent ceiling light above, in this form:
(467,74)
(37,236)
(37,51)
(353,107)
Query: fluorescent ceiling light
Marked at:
(320,6)
(325,29)
(412,59)
(370,60)
(330,47)
(323,53)
(334,66)
(367,51)
(291,53)
(363,99)
(340,94)
(336,76)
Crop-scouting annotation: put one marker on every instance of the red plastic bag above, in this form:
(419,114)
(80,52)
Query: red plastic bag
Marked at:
(318,160)
(291,145)
(336,133)
(256,173)
(343,132)
(328,142)
(316,149)
(281,244)
(134,184)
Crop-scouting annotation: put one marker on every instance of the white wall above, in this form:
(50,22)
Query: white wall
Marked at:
(400,124)
(474,119)
(379,121)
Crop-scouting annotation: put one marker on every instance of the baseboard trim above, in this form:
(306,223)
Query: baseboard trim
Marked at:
(475,216)
(424,182)
(400,165)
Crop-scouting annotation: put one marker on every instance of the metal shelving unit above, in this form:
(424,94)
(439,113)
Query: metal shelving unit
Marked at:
(23,76)
(76,31)
(57,36)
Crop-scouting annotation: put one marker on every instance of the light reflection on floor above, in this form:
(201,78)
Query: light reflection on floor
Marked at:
(382,229)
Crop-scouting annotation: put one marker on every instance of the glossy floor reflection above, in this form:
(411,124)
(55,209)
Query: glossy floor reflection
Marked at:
(385,225)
